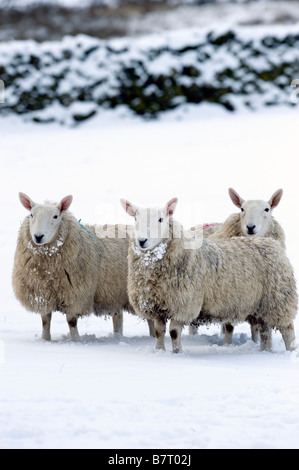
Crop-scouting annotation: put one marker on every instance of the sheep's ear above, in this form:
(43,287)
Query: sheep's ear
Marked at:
(65,203)
(275,198)
(170,206)
(26,201)
(237,200)
(129,208)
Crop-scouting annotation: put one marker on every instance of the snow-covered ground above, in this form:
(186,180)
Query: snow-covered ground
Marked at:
(55,21)
(215,15)
(104,393)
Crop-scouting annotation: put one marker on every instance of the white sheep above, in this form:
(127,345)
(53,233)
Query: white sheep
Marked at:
(61,265)
(214,280)
(255,219)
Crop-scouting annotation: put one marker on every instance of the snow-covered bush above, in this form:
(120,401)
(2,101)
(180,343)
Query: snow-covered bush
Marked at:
(80,75)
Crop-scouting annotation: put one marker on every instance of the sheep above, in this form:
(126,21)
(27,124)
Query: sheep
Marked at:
(255,219)
(61,265)
(213,280)
(204,230)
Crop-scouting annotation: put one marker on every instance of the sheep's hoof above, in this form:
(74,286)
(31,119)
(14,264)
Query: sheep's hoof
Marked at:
(266,348)
(46,337)
(176,349)
(76,339)
(118,334)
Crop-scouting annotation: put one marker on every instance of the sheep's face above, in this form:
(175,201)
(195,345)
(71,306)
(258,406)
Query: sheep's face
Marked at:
(151,227)
(151,224)
(256,216)
(45,222)
(45,219)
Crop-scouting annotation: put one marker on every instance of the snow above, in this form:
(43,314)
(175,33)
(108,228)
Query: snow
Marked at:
(46,250)
(117,394)
(149,258)
(216,14)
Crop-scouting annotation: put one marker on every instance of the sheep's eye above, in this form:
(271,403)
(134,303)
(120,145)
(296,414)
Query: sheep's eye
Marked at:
(160,220)
(31,215)
(55,217)
(242,210)
(267,209)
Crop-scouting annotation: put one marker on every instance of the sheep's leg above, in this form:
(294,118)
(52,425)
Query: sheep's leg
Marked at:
(192,330)
(160,328)
(151,327)
(228,330)
(46,321)
(175,331)
(266,337)
(288,335)
(254,333)
(254,328)
(117,319)
(72,322)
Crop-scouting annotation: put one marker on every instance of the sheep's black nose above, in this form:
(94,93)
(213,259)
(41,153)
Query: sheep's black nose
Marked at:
(38,238)
(142,241)
(250,229)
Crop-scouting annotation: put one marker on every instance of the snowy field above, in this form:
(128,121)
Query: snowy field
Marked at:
(104,393)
